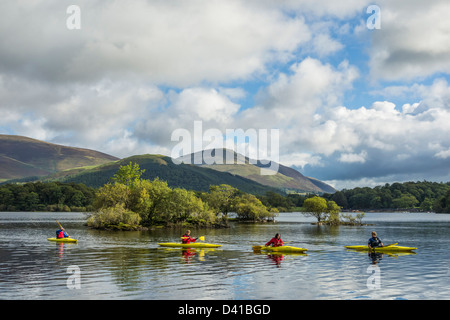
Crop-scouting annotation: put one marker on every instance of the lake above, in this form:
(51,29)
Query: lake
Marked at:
(131,265)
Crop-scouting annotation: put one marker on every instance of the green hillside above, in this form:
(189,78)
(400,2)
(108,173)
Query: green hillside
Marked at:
(182,175)
(23,157)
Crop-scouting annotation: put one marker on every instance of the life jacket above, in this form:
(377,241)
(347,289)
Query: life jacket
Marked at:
(275,242)
(59,234)
(187,239)
(374,242)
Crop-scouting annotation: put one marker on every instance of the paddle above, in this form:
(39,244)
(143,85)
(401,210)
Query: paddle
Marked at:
(61,227)
(392,244)
(202,238)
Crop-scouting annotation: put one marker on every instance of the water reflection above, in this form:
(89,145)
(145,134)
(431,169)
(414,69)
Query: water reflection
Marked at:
(378,256)
(375,257)
(189,253)
(277,257)
(60,247)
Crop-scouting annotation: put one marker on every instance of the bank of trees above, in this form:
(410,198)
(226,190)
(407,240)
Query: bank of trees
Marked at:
(155,202)
(421,196)
(53,196)
(129,202)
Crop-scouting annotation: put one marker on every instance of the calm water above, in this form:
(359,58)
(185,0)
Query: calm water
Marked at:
(130,265)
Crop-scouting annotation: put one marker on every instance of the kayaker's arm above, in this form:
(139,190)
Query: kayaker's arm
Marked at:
(381,243)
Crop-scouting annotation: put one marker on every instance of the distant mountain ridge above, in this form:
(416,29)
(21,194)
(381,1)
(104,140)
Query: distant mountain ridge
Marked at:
(22,157)
(282,177)
(158,166)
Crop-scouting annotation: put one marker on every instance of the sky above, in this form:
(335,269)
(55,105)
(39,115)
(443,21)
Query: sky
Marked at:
(354,105)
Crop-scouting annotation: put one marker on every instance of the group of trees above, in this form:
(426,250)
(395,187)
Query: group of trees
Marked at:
(53,196)
(442,205)
(328,212)
(422,196)
(129,201)
(223,199)
(284,203)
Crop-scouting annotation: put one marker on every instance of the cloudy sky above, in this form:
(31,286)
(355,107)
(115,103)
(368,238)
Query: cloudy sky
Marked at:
(355,106)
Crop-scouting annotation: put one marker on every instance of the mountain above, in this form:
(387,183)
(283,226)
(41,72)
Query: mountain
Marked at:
(23,157)
(183,175)
(282,177)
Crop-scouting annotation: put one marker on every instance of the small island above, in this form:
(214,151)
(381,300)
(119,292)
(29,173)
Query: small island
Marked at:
(328,212)
(131,203)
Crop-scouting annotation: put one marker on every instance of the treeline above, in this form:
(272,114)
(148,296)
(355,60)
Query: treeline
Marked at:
(284,203)
(442,205)
(52,196)
(420,196)
(222,199)
(129,202)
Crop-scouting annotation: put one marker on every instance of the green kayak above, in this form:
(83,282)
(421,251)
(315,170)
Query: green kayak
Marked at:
(189,245)
(282,249)
(382,249)
(63,239)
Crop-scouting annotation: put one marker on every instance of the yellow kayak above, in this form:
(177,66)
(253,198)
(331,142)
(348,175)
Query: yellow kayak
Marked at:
(382,249)
(189,245)
(279,249)
(62,239)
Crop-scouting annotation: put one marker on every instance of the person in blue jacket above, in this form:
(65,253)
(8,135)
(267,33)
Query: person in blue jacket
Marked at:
(60,233)
(374,241)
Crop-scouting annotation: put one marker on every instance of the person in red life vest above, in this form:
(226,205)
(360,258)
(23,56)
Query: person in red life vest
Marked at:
(186,238)
(275,241)
(61,234)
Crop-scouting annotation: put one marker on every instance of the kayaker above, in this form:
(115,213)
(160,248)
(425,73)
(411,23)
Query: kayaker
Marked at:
(275,241)
(375,241)
(186,238)
(60,233)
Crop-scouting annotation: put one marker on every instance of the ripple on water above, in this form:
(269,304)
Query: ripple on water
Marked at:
(132,266)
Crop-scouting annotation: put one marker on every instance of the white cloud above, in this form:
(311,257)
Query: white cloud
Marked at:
(178,43)
(324,45)
(300,159)
(204,104)
(353,157)
(90,116)
(444,154)
(214,108)
(311,85)
(413,40)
